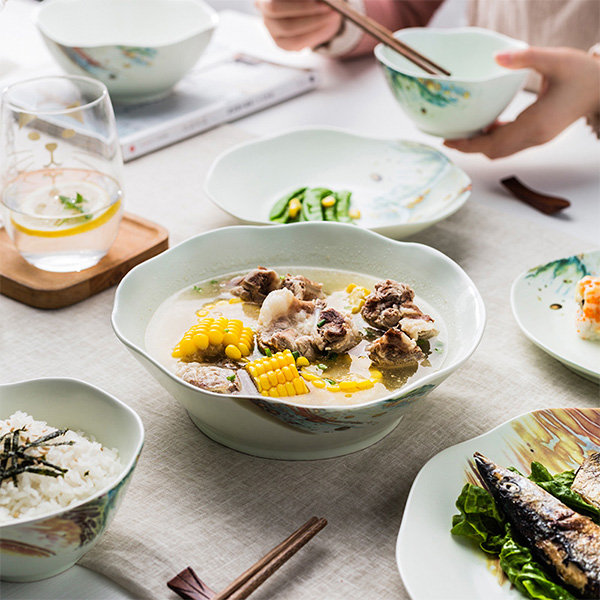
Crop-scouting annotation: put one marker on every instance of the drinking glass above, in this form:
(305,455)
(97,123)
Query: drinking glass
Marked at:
(61,171)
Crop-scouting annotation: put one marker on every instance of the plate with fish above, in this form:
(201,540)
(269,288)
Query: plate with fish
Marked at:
(526,492)
(557,306)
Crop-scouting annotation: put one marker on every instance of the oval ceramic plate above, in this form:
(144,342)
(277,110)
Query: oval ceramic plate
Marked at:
(543,303)
(434,564)
(400,187)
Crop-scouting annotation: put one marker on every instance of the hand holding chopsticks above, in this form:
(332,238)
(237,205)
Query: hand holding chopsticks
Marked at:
(189,586)
(385,36)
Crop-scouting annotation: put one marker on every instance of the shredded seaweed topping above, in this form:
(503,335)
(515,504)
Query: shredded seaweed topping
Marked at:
(15,460)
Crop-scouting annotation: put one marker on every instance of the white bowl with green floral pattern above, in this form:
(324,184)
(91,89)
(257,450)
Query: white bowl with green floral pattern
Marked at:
(43,546)
(461,105)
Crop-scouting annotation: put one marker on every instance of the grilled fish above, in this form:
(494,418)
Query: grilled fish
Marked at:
(567,542)
(587,479)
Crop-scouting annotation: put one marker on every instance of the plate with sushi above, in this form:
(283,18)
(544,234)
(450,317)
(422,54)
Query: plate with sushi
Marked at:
(513,513)
(557,306)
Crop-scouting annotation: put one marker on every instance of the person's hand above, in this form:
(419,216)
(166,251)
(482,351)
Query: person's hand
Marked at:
(570,89)
(298,24)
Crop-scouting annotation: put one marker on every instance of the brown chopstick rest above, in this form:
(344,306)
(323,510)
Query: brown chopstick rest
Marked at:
(549,205)
(189,586)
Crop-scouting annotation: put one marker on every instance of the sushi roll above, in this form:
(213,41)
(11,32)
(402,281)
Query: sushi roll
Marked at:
(587,296)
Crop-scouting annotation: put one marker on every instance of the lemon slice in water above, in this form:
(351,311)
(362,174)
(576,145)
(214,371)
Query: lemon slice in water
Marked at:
(42,213)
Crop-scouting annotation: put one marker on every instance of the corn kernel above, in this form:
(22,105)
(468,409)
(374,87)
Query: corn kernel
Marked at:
(289,388)
(215,336)
(364,385)
(273,392)
(201,313)
(294,207)
(280,376)
(354,213)
(201,341)
(235,300)
(300,386)
(281,391)
(265,393)
(318,383)
(302,361)
(332,388)
(187,346)
(350,287)
(347,386)
(264,381)
(308,375)
(229,338)
(375,375)
(328,201)
(282,361)
(272,377)
(243,349)
(233,352)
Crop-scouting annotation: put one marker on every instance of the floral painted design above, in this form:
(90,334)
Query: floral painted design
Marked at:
(326,420)
(437,93)
(72,532)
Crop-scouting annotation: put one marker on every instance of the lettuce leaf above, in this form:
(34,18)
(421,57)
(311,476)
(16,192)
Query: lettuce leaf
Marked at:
(481,521)
(560,487)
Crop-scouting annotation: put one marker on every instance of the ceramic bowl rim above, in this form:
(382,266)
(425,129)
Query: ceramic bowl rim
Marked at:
(211,24)
(514,43)
(531,337)
(445,371)
(448,211)
(125,470)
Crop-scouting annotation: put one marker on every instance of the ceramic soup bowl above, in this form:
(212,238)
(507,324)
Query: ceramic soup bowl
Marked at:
(40,547)
(139,50)
(274,427)
(470,99)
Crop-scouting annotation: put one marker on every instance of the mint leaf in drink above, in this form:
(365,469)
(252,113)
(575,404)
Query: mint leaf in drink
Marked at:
(74,204)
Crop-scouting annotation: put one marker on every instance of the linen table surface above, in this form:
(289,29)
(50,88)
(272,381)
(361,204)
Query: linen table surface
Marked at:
(194,502)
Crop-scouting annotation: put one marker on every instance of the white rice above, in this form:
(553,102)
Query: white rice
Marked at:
(90,468)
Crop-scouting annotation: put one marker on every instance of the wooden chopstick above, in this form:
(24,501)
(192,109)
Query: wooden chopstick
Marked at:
(248,581)
(385,36)
(545,203)
(189,586)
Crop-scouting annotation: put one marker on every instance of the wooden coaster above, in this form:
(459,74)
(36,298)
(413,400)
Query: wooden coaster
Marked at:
(138,240)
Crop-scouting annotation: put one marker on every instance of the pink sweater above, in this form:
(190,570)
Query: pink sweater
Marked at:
(574,23)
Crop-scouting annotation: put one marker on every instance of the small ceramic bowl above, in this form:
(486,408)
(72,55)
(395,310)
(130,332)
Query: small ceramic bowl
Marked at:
(470,99)
(400,187)
(41,547)
(139,50)
(273,427)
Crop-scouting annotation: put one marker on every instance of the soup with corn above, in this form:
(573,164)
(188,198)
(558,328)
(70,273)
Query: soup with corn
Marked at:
(307,335)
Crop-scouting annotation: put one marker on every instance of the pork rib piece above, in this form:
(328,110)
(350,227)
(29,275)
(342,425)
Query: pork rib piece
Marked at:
(303,288)
(394,349)
(256,285)
(208,377)
(391,305)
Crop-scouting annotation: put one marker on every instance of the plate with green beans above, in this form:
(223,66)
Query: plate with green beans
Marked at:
(393,187)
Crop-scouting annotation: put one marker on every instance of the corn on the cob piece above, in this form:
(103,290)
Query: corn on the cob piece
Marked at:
(216,337)
(277,375)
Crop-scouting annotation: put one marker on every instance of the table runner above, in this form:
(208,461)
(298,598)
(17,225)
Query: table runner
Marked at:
(218,510)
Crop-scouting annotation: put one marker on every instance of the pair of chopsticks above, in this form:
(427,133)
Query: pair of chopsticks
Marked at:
(189,586)
(384,35)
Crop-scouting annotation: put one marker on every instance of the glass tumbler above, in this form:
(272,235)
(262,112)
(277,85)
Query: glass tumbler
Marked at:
(61,171)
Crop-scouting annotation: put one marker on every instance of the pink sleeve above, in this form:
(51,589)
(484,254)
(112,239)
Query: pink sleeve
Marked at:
(395,14)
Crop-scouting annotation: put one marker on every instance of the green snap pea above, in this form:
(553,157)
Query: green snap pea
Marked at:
(343,206)
(311,207)
(281,204)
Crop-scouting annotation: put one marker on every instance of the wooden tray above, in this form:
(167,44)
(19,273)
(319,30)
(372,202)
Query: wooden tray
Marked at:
(138,240)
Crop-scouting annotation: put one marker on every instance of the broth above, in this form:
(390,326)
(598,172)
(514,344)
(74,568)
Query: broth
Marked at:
(178,313)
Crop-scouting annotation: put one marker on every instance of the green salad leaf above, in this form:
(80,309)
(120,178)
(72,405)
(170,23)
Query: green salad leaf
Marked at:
(481,521)
(560,487)
(526,575)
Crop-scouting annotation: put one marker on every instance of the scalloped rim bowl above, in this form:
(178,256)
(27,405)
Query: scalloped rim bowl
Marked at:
(138,48)
(44,546)
(271,427)
(464,103)
(401,187)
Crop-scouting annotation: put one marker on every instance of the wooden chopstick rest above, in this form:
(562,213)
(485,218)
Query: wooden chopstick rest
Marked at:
(189,586)
(549,205)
